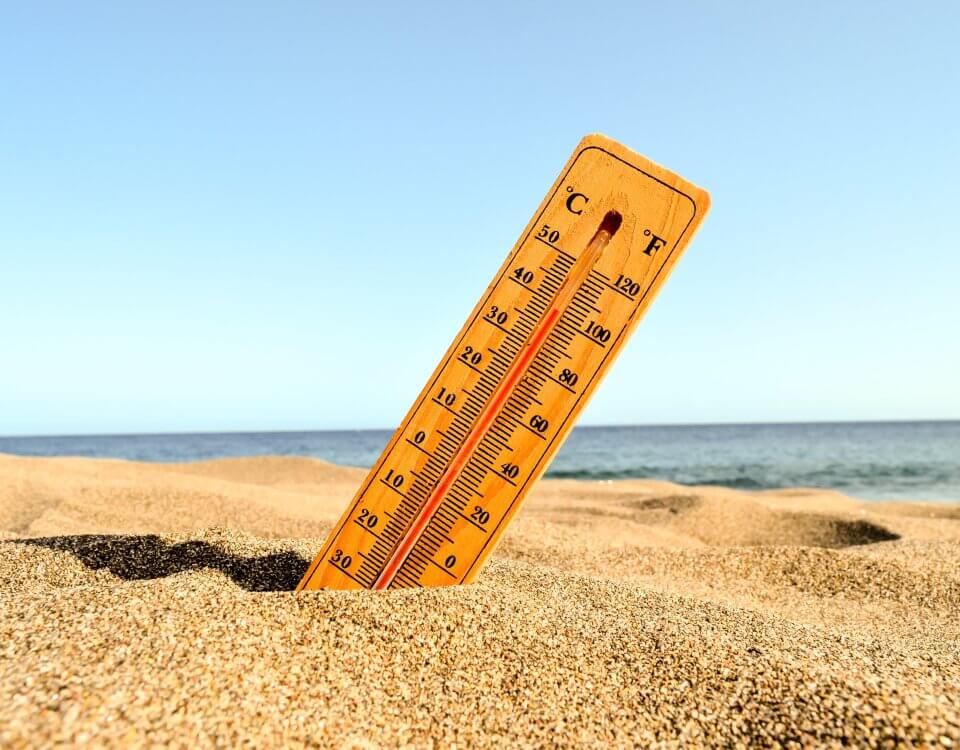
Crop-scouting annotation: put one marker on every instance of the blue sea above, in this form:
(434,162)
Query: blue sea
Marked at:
(869,460)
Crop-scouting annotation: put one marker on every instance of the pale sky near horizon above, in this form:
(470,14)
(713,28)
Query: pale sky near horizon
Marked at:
(196,198)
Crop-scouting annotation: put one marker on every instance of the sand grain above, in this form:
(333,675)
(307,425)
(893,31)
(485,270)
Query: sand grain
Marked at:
(150,604)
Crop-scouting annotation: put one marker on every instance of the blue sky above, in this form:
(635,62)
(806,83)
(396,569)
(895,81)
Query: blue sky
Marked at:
(276,216)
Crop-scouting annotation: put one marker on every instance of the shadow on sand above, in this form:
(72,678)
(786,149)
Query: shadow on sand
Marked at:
(137,558)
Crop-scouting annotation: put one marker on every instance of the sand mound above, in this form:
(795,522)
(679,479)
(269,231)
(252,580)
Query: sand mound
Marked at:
(624,613)
(919,510)
(271,470)
(49,496)
(135,558)
(735,521)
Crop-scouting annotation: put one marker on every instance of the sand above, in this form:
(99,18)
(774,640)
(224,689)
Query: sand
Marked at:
(151,604)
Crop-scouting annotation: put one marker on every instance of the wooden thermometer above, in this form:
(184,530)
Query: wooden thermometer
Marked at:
(510,387)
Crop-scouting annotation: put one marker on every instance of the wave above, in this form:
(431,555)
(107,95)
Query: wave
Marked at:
(763,477)
(649,472)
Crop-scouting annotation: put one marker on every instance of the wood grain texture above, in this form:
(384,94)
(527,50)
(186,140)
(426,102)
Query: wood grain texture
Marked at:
(550,323)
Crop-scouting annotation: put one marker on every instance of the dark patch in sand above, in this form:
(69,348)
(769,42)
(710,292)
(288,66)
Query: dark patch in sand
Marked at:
(826,531)
(673,503)
(137,558)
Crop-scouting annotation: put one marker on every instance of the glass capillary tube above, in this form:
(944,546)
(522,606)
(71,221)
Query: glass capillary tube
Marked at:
(608,227)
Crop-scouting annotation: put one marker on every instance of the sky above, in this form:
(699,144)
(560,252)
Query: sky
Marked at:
(276,216)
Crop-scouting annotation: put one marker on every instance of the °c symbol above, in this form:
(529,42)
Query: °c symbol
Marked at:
(572,205)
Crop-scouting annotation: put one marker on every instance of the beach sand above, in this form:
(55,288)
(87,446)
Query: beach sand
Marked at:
(152,603)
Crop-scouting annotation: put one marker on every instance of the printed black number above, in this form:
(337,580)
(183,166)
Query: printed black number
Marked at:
(450,562)
(510,470)
(469,355)
(598,332)
(522,274)
(367,518)
(628,285)
(341,560)
(497,315)
(420,437)
(395,479)
(569,377)
(480,515)
(539,423)
(548,234)
(447,398)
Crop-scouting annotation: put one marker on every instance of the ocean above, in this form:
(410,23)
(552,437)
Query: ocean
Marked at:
(868,460)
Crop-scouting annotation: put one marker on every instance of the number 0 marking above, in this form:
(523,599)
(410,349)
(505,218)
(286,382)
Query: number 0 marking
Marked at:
(510,387)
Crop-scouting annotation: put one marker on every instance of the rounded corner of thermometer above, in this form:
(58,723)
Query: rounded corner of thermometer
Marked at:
(594,140)
(698,198)
(705,200)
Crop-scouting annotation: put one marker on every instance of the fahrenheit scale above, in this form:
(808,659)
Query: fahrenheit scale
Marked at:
(510,387)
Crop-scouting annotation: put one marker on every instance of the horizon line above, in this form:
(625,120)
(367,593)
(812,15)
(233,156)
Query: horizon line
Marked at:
(393,429)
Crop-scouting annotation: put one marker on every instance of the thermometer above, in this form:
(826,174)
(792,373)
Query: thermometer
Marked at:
(510,387)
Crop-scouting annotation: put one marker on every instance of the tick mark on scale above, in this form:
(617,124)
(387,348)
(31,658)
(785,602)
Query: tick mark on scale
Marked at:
(483,433)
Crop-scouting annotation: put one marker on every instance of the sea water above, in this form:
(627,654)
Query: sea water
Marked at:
(869,460)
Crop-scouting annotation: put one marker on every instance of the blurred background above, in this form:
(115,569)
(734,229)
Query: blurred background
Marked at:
(196,198)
